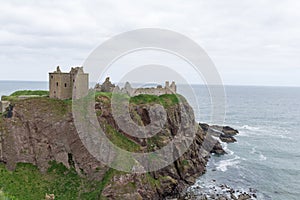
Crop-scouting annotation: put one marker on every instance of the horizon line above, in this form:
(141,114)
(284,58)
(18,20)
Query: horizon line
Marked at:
(241,85)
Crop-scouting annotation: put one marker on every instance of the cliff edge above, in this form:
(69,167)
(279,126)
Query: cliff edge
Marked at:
(42,130)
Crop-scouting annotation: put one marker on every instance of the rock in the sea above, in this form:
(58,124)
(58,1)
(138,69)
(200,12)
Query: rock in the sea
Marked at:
(224,133)
(225,129)
(244,197)
(227,138)
(212,190)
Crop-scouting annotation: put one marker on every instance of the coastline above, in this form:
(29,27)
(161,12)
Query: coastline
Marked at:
(49,128)
(257,141)
(186,167)
(211,188)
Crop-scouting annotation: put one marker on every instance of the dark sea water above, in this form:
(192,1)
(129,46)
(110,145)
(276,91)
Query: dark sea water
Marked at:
(267,154)
(8,87)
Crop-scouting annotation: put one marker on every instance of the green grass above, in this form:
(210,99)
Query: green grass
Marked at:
(144,99)
(106,94)
(168,100)
(152,181)
(26,182)
(107,179)
(185,162)
(154,142)
(165,100)
(9,98)
(58,108)
(121,140)
(30,92)
(14,96)
(4,196)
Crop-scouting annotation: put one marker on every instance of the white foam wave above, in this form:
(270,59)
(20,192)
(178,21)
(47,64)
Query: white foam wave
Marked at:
(251,128)
(249,131)
(224,164)
(285,137)
(242,134)
(262,157)
(225,147)
(253,150)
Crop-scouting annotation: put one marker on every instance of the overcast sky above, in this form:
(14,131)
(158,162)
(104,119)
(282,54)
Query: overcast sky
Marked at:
(252,42)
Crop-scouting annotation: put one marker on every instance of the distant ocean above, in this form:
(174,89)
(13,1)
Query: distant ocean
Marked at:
(267,154)
(8,87)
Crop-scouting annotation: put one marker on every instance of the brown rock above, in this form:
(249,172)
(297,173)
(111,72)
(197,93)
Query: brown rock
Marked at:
(42,130)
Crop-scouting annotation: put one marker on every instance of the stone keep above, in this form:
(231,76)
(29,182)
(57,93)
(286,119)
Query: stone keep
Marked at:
(61,84)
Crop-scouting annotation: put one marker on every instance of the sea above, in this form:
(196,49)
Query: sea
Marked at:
(266,156)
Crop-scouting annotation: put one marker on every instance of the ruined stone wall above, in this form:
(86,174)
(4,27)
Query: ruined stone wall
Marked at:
(159,90)
(81,84)
(60,85)
(107,86)
(152,91)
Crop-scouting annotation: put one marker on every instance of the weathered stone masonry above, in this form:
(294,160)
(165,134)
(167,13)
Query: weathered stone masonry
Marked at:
(61,84)
(107,86)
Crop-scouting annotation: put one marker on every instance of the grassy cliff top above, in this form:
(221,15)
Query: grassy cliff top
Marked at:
(14,96)
(165,100)
(30,92)
(26,181)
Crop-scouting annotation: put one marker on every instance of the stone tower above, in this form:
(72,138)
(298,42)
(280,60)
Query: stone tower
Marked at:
(173,87)
(61,84)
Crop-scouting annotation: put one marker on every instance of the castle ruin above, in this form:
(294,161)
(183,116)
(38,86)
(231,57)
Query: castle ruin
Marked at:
(61,84)
(107,86)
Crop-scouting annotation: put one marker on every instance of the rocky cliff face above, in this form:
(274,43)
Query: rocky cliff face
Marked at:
(42,129)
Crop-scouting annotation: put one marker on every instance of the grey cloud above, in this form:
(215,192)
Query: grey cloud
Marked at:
(240,36)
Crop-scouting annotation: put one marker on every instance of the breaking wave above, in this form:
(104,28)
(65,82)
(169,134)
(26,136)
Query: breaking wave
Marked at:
(224,164)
